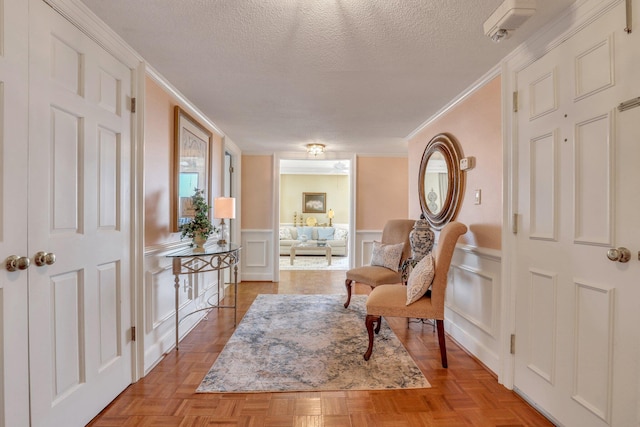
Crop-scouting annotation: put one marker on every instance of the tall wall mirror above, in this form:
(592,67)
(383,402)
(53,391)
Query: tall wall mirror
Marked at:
(440,181)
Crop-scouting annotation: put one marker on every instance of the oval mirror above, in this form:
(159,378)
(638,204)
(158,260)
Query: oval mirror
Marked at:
(440,181)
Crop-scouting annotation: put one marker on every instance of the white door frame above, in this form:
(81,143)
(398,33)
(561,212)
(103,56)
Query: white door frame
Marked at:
(234,186)
(276,202)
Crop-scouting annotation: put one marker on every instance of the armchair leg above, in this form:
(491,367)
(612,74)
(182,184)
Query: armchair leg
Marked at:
(443,348)
(369,321)
(347,283)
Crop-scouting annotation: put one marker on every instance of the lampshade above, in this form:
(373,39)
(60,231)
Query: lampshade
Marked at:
(330,214)
(224,207)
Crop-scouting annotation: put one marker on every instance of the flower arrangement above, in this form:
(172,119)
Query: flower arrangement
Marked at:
(200,224)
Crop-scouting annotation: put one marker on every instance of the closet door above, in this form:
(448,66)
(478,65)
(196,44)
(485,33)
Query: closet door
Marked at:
(14,375)
(577,314)
(79,212)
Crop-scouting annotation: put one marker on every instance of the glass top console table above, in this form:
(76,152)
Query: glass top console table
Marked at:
(212,258)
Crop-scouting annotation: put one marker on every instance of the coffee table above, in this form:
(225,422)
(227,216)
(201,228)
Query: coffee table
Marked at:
(310,248)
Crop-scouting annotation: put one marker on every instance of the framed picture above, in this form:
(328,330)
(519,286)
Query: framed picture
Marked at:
(192,166)
(314,202)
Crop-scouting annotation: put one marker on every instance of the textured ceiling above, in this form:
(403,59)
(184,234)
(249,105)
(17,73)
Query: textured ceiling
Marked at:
(356,75)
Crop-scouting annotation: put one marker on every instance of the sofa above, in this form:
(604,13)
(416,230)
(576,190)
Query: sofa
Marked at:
(336,237)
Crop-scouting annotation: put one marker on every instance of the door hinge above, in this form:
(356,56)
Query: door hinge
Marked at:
(514,224)
(133,105)
(515,101)
(231,169)
(133,333)
(512,346)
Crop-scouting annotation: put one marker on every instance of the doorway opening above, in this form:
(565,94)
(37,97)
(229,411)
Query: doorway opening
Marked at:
(314,214)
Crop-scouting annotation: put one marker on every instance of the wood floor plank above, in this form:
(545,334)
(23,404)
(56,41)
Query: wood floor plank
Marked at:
(465,394)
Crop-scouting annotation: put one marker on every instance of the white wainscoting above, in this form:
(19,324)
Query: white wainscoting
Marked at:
(364,245)
(159,302)
(257,258)
(473,302)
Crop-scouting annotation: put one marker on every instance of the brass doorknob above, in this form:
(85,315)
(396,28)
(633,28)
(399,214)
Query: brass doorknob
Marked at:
(619,254)
(15,262)
(43,258)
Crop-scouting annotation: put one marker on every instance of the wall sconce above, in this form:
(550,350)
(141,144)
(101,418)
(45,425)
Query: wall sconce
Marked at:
(315,149)
(330,216)
(224,208)
(507,17)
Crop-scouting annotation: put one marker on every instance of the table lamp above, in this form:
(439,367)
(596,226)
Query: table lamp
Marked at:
(330,216)
(224,208)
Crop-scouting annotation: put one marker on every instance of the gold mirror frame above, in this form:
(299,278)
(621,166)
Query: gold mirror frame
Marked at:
(450,150)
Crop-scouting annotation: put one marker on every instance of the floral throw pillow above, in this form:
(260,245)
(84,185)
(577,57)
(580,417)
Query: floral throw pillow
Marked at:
(340,234)
(420,279)
(387,255)
(285,233)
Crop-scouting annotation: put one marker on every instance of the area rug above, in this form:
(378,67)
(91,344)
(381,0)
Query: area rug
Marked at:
(309,343)
(313,262)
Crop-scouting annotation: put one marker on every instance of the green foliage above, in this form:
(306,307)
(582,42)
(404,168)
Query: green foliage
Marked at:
(200,222)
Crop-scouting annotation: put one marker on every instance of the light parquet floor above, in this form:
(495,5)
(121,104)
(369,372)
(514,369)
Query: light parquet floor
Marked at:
(465,394)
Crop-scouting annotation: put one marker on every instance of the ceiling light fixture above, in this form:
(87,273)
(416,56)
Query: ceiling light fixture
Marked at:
(507,17)
(315,149)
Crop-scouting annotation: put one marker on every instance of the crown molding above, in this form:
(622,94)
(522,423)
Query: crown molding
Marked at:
(97,30)
(486,78)
(189,106)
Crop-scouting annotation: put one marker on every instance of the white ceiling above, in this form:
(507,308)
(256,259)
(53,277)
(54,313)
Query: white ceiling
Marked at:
(356,75)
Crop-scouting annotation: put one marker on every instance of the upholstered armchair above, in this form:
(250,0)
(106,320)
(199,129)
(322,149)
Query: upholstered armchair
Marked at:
(395,231)
(392,301)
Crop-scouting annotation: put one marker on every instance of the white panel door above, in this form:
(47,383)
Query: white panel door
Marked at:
(79,210)
(576,311)
(14,375)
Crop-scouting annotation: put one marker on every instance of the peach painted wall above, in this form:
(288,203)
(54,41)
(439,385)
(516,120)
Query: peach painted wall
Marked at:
(476,124)
(158,163)
(257,192)
(381,190)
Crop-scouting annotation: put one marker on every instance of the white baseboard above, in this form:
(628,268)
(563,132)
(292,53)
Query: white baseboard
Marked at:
(473,346)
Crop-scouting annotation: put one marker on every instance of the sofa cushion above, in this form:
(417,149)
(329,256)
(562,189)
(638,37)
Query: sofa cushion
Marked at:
(305,231)
(326,233)
(387,256)
(420,279)
(294,232)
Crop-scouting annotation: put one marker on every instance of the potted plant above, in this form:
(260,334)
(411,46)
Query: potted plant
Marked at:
(200,227)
